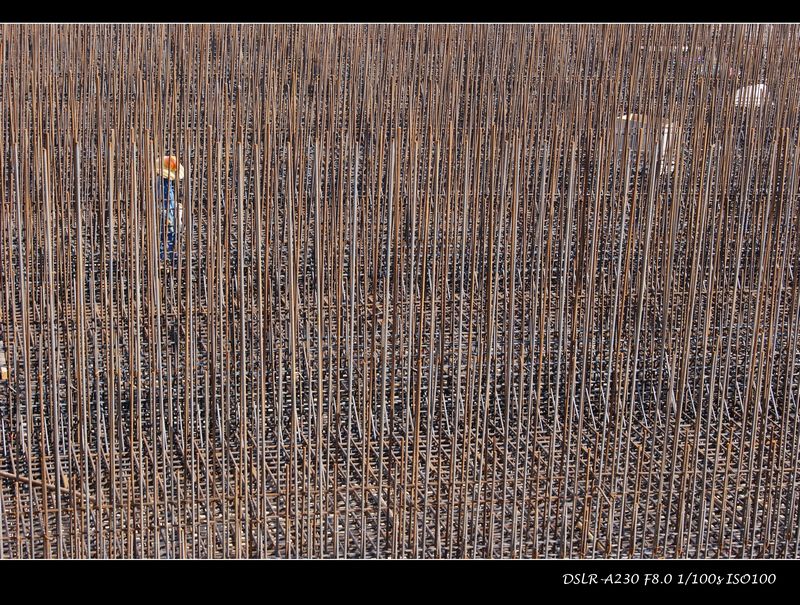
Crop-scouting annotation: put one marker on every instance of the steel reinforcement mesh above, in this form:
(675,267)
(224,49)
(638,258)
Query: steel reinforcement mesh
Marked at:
(440,291)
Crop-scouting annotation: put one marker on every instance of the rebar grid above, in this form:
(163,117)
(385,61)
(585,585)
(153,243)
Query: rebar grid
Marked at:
(430,299)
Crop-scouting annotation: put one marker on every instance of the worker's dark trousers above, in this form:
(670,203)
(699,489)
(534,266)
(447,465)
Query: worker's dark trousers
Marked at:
(168,222)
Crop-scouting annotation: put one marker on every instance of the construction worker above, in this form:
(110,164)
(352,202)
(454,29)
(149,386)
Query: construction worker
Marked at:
(169,170)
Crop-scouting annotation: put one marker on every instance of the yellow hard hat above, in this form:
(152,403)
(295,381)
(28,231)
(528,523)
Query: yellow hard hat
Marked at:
(168,167)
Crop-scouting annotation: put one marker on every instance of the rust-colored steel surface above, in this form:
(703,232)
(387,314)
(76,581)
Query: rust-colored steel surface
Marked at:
(491,291)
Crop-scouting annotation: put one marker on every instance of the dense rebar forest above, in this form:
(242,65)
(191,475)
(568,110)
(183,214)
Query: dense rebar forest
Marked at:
(494,291)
